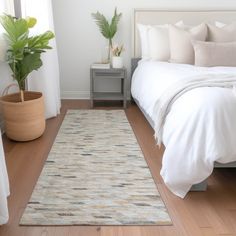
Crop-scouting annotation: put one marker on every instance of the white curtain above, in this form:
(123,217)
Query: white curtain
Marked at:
(6,6)
(46,79)
(4,187)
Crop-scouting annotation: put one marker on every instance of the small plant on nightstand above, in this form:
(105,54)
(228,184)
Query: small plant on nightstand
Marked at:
(117,60)
(108,30)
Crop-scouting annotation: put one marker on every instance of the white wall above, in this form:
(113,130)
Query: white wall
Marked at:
(80,42)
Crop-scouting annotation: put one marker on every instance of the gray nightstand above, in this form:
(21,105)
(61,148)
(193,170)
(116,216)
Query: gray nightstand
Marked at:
(96,74)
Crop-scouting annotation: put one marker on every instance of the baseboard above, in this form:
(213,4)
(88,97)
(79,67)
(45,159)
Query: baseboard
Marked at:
(79,95)
(75,95)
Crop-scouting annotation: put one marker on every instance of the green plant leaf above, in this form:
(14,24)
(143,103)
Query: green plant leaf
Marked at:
(30,63)
(15,28)
(114,23)
(23,54)
(102,24)
(31,21)
(19,45)
(40,41)
(106,29)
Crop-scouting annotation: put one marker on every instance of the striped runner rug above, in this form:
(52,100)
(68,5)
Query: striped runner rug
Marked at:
(95,174)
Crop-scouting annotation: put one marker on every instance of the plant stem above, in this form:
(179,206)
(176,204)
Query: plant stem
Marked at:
(22,95)
(110,43)
(109,49)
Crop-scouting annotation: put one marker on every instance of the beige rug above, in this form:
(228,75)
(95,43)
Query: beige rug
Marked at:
(95,175)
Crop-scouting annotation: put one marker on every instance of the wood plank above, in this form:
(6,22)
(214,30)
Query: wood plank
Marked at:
(208,232)
(121,231)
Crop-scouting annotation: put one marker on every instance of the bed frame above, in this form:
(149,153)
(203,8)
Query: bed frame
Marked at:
(163,16)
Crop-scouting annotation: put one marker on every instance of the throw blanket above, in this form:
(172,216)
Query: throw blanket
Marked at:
(164,104)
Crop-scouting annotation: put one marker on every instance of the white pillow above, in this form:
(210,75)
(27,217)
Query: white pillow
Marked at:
(143,29)
(158,41)
(214,54)
(155,44)
(181,48)
(182,25)
(224,33)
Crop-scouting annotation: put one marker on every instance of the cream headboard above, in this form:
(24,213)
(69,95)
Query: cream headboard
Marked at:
(191,17)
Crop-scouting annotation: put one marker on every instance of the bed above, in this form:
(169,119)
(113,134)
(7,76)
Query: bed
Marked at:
(191,153)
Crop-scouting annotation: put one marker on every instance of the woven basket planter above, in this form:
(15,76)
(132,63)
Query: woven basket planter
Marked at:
(24,121)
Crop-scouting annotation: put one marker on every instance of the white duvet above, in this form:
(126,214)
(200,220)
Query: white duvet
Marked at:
(200,127)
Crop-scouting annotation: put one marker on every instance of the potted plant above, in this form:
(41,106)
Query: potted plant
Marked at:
(23,112)
(108,30)
(117,60)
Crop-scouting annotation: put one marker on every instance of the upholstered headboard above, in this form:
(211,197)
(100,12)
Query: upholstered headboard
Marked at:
(162,16)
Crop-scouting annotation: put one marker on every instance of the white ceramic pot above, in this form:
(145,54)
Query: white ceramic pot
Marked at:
(117,62)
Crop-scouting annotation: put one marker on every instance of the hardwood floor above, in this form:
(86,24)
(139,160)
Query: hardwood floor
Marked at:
(201,213)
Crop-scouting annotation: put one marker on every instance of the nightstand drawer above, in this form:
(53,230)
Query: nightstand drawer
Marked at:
(108,74)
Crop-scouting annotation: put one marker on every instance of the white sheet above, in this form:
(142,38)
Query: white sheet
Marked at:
(200,128)
(4,186)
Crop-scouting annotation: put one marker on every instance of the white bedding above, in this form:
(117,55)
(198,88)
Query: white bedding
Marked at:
(200,127)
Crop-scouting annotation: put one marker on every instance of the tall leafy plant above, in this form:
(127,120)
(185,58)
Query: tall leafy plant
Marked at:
(24,51)
(108,30)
